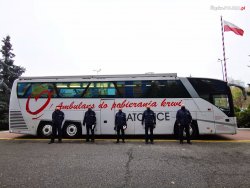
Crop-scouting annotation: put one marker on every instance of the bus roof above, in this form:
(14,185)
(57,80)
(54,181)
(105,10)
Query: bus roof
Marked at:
(101,76)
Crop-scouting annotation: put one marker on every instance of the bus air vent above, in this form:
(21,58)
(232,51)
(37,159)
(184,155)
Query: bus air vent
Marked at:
(17,121)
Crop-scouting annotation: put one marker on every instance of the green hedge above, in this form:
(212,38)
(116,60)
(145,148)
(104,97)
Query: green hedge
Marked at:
(4,125)
(243,117)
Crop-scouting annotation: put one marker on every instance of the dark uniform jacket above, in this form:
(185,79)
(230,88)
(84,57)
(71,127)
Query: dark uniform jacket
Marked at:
(120,120)
(89,118)
(148,117)
(57,117)
(183,117)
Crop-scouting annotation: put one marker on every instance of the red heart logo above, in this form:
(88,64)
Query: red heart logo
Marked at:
(36,98)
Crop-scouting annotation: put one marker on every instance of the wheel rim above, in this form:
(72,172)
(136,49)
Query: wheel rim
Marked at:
(71,130)
(47,130)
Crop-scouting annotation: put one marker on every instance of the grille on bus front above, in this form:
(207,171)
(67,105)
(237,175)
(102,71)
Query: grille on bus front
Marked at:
(17,121)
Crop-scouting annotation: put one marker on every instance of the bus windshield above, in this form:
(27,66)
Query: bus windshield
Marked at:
(216,92)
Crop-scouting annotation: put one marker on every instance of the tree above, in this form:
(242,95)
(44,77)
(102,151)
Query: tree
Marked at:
(238,97)
(243,118)
(8,73)
(242,106)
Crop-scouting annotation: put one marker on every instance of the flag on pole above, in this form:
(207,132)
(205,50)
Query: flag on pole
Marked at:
(231,27)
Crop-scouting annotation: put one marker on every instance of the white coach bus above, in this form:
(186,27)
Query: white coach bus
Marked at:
(33,99)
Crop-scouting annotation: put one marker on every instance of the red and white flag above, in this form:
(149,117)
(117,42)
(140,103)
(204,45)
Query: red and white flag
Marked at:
(231,27)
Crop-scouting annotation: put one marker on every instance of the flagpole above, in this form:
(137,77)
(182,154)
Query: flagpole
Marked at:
(223,45)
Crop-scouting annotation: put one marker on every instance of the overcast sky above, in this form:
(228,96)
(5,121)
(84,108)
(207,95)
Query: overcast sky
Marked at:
(76,37)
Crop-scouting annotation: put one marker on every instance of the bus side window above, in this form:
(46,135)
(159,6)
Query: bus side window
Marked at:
(101,90)
(151,89)
(175,89)
(71,89)
(129,89)
(23,89)
(221,101)
(120,87)
(38,88)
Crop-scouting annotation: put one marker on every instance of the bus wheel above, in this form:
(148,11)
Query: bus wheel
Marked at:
(71,130)
(45,129)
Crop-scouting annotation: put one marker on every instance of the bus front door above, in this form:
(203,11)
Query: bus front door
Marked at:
(206,119)
(107,116)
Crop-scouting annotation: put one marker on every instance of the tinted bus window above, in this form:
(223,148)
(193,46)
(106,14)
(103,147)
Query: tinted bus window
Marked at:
(71,90)
(38,88)
(101,90)
(173,89)
(135,89)
(22,89)
(25,90)
(124,89)
(152,89)
(131,89)
(206,86)
(215,91)
(221,101)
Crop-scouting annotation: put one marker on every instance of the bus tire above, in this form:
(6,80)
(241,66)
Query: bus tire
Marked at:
(194,132)
(45,129)
(72,129)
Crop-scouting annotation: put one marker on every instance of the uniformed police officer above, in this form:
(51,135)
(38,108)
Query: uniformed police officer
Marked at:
(57,119)
(184,119)
(149,118)
(90,121)
(120,125)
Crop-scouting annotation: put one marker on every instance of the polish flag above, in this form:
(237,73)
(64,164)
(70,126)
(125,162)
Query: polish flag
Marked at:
(231,27)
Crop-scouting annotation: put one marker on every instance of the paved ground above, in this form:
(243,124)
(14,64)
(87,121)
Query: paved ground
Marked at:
(34,163)
(211,161)
(241,136)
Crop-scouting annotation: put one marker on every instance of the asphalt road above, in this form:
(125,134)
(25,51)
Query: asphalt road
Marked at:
(242,135)
(34,163)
